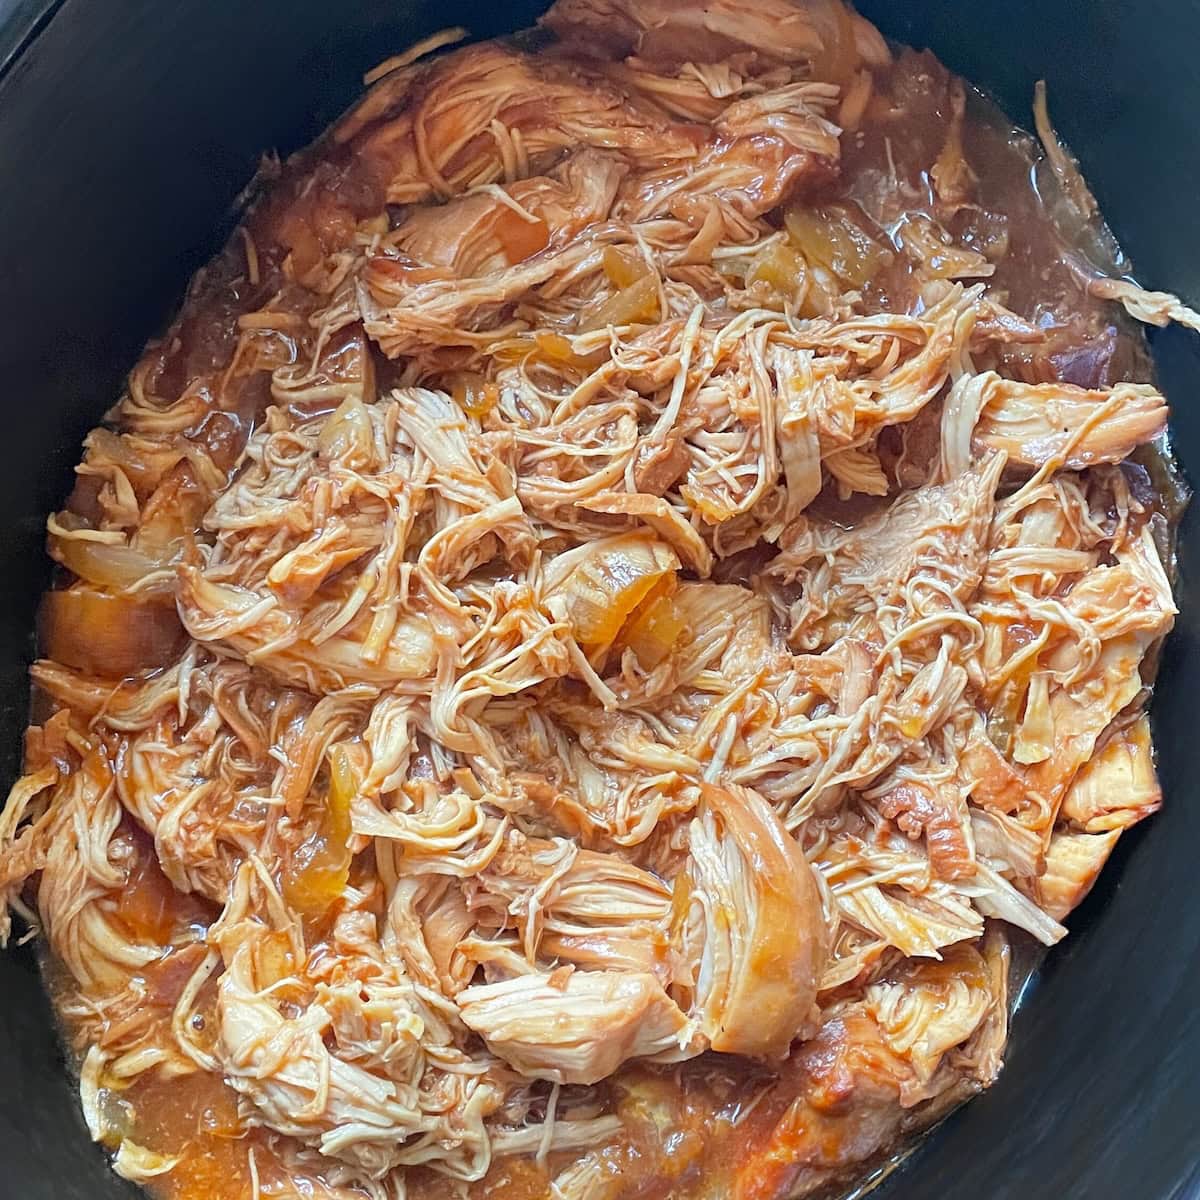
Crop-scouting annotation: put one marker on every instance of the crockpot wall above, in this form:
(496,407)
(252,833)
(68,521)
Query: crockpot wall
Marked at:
(127,127)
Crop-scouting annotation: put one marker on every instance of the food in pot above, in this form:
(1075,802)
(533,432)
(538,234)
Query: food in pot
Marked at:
(623,600)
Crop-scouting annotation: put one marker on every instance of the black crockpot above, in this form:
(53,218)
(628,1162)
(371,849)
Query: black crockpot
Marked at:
(127,128)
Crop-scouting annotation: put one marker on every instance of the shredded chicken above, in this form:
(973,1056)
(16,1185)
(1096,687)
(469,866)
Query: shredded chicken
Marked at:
(1154,308)
(574,627)
(578,1030)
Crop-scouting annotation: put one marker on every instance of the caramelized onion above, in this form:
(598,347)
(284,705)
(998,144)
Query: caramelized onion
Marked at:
(474,394)
(317,872)
(783,269)
(347,436)
(109,634)
(832,237)
(608,580)
(117,567)
(655,627)
(632,305)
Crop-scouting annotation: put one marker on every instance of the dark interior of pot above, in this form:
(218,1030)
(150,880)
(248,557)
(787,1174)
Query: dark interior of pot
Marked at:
(127,130)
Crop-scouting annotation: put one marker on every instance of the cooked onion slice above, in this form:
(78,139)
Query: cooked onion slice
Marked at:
(601,583)
(317,873)
(654,629)
(832,238)
(117,566)
(109,634)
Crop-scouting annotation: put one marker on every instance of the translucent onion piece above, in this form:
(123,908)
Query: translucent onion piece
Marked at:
(116,567)
(937,255)
(147,903)
(556,348)
(834,239)
(623,267)
(109,634)
(607,580)
(138,1164)
(632,305)
(319,869)
(347,436)
(782,268)
(654,629)
(838,57)
(474,394)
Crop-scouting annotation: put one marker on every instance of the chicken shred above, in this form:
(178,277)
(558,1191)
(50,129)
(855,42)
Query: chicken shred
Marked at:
(574,627)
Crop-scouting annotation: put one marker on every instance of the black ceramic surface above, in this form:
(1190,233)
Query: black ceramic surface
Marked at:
(127,127)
